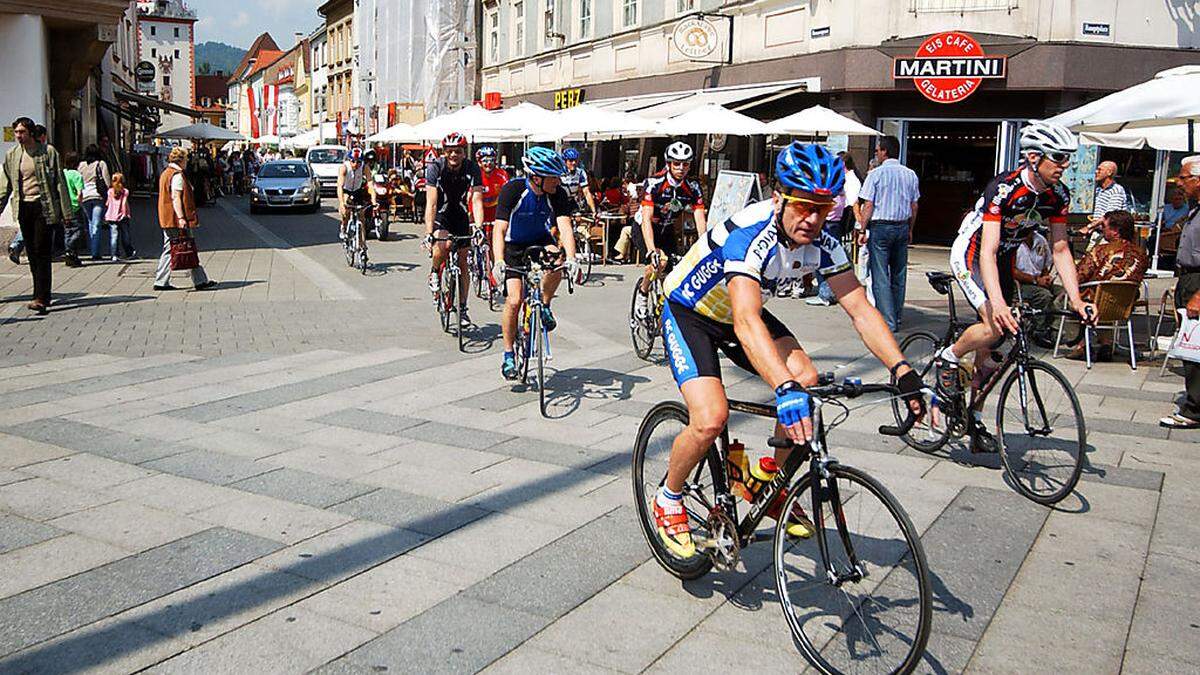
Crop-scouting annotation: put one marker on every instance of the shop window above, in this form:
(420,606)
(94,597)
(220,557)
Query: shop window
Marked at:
(684,6)
(629,13)
(585,19)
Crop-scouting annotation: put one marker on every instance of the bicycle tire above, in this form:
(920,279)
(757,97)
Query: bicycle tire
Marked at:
(462,325)
(931,434)
(531,330)
(639,329)
(540,338)
(1016,464)
(583,256)
(364,263)
(645,487)
(445,296)
(909,564)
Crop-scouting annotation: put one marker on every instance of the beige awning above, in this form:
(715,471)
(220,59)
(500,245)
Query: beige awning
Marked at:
(669,104)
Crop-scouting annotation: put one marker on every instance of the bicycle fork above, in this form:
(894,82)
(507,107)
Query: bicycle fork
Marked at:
(825,490)
(1026,386)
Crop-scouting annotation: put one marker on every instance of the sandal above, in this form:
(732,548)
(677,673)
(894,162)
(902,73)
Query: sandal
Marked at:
(1178,421)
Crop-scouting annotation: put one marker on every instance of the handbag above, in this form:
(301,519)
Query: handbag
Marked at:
(1186,345)
(184,255)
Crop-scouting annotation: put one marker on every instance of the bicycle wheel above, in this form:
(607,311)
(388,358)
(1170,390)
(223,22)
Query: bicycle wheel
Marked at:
(462,323)
(445,297)
(1042,435)
(364,263)
(539,338)
(920,350)
(640,328)
(583,256)
(651,452)
(349,243)
(533,324)
(877,617)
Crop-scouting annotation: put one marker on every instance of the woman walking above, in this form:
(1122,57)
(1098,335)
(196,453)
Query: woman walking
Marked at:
(116,216)
(33,174)
(96,178)
(177,218)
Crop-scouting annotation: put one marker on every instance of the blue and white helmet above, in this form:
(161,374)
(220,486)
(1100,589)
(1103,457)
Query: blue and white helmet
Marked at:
(810,168)
(541,161)
(485,152)
(571,154)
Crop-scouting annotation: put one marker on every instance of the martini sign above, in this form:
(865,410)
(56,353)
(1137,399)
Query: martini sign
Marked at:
(949,67)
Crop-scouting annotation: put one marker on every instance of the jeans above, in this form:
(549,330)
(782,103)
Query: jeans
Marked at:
(39,245)
(163,276)
(887,245)
(835,228)
(93,211)
(121,239)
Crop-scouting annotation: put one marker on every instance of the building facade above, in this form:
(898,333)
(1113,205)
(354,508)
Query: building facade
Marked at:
(261,52)
(342,65)
(166,38)
(318,87)
(212,97)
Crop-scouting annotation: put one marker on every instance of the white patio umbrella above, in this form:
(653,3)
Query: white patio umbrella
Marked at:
(711,118)
(1166,137)
(588,122)
(472,121)
(313,136)
(202,131)
(397,133)
(269,139)
(1172,97)
(819,121)
(527,118)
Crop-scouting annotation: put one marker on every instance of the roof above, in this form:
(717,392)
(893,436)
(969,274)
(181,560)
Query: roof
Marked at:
(264,41)
(265,58)
(212,86)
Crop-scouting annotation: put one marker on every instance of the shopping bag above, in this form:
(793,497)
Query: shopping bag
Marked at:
(184,255)
(1187,340)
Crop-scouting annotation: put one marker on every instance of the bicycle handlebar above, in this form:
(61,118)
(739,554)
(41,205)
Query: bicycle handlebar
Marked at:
(826,388)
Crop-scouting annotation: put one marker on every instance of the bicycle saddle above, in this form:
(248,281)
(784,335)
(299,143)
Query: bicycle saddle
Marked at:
(940,281)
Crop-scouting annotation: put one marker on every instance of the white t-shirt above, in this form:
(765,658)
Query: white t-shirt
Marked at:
(177,179)
(1034,260)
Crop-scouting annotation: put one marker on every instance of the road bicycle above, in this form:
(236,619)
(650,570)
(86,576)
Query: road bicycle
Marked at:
(445,299)
(856,594)
(356,252)
(583,246)
(647,329)
(1040,429)
(532,348)
(480,263)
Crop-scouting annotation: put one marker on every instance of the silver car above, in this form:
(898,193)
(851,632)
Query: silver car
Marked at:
(285,184)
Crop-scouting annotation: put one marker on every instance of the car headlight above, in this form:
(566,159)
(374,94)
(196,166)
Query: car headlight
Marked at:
(306,190)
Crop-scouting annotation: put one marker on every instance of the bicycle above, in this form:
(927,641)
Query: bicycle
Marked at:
(583,246)
(647,329)
(1042,467)
(449,286)
(356,255)
(834,587)
(480,263)
(533,340)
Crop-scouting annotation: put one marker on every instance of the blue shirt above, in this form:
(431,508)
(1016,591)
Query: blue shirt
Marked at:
(530,216)
(1172,215)
(892,188)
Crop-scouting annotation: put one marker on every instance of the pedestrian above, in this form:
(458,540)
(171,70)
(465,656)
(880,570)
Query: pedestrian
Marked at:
(886,216)
(1033,265)
(841,218)
(117,217)
(1110,196)
(74,227)
(177,218)
(238,169)
(94,171)
(1187,264)
(33,173)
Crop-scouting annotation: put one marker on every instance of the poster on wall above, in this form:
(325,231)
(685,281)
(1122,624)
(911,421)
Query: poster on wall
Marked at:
(1080,178)
(733,191)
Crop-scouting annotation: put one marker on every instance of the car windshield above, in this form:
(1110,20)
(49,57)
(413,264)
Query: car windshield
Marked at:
(284,171)
(329,156)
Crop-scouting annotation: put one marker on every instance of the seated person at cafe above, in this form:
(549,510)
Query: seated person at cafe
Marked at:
(1032,266)
(1118,258)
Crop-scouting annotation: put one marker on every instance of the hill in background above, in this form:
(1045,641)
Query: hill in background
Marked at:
(214,56)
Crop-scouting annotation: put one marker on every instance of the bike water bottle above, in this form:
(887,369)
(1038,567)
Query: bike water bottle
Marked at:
(738,470)
(761,474)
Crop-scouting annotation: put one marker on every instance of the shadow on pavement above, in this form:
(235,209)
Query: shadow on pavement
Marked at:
(567,388)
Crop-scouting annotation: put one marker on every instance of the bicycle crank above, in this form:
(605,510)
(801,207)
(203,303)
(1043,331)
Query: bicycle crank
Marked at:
(722,543)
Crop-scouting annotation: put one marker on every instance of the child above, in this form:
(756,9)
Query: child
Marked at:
(117,217)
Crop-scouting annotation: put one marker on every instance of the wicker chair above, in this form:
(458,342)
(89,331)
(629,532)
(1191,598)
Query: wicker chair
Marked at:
(1114,302)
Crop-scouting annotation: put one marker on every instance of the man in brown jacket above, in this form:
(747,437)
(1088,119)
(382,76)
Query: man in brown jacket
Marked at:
(177,218)
(33,174)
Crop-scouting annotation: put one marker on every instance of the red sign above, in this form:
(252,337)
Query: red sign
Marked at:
(949,67)
(492,100)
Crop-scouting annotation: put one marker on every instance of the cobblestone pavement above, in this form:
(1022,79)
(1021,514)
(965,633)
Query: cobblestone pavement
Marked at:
(298,471)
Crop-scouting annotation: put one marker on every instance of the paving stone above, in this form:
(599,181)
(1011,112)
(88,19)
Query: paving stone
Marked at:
(444,484)
(87,471)
(332,462)
(1123,477)
(128,525)
(350,440)
(241,443)
(43,499)
(437,456)
(707,651)
(344,551)
(210,467)
(449,434)
(176,494)
(302,487)
(526,659)
(275,519)
(379,599)
(17,532)
(1050,639)
(16,451)
(572,456)
(408,511)
(96,440)
(111,645)
(51,560)
(367,420)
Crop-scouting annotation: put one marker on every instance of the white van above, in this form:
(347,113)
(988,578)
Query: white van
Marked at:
(324,161)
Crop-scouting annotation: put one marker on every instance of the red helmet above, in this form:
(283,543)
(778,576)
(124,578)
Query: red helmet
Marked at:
(454,140)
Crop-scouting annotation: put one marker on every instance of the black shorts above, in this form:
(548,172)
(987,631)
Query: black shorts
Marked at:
(665,238)
(692,340)
(514,256)
(453,228)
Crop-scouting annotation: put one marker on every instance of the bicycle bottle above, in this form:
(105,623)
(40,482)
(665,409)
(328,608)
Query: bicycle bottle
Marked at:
(761,475)
(739,470)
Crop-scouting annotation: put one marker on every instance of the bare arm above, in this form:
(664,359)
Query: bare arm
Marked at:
(431,204)
(867,320)
(499,229)
(701,216)
(477,207)
(566,236)
(647,227)
(745,295)
(587,197)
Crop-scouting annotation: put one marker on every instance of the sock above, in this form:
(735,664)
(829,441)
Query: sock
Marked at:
(510,355)
(665,496)
(948,355)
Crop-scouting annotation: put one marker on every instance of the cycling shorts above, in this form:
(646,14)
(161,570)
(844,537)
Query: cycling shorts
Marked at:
(964,264)
(692,340)
(514,256)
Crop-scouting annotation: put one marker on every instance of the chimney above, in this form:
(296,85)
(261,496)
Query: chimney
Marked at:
(299,38)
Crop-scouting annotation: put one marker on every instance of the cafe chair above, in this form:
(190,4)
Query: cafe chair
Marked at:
(1114,302)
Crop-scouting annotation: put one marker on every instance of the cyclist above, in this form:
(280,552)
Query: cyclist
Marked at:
(528,211)
(454,197)
(1013,204)
(493,178)
(352,191)
(715,299)
(575,180)
(667,195)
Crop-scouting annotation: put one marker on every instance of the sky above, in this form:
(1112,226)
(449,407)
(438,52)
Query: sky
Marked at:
(238,23)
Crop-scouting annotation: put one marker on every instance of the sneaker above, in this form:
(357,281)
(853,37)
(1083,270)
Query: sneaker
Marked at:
(817,301)
(799,525)
(948,384)
(641,307)
(509,367)
(72,261)
(115,259)
(548,319)
(433,282)
(463,317)
(14,255)
(982,440)
(673,528)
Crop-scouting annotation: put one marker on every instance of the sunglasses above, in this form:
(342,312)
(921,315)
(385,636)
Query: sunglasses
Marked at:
(1059,158)
(807,207)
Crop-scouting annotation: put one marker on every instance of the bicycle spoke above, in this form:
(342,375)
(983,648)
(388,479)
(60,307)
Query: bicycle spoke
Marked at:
(1041,433)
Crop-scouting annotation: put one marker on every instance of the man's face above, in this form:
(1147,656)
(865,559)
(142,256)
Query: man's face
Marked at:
(1105,171)
(1177,198)
(803,215)
(487,162)
(679,169)
(1189,183)
(23,135)
(455,156)
(1050,166)
(571,164)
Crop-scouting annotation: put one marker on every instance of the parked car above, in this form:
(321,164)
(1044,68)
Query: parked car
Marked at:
(285,184)
(325,160)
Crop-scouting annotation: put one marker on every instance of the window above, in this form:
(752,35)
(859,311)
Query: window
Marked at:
(629,13)
(585,18)
(153,53)
(493,29)
(166,80)
(684,6)
(153,30)
(176,53)
(551,19)
(176,32)
(519,28)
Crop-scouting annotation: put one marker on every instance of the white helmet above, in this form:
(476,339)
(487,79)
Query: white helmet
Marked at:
(1048,137)
(679,152)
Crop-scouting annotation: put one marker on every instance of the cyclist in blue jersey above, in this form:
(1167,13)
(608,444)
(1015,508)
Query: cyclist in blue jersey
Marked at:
(527,213)
(575,181)
(715,299)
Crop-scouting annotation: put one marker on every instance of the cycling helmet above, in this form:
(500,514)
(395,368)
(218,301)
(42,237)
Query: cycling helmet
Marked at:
(541,161)
(810,168)
(679,152)
(486,152)
(1048,137)
(571,154)
(454,140)
(355,155)
(369,156)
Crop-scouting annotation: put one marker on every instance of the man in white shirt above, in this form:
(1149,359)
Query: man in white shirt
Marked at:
(1031,270)
(842,218)
(1110,196)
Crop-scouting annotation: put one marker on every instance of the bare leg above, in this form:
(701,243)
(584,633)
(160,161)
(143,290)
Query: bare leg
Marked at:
(708,410)
(508,321)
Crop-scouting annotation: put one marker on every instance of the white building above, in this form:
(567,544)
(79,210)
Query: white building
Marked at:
(166,38)
(318,86)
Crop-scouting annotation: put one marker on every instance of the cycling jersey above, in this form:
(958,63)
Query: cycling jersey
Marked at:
(492,182)
(670,198)
(530,216)
(574,182)
(454,190)
(747,244)
(1011,202)
(354,179)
